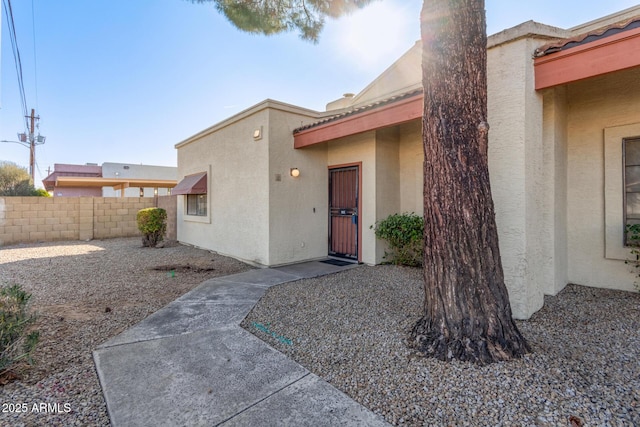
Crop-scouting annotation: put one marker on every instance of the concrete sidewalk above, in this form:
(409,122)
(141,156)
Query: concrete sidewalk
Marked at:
(190,363)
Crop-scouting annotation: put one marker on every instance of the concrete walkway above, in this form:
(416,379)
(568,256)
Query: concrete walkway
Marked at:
(191,364)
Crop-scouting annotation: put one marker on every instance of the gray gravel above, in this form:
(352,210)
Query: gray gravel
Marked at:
(85,293)
(350,328)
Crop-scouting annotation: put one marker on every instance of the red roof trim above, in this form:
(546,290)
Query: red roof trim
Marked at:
(589,37)
(389,114)
(606,55)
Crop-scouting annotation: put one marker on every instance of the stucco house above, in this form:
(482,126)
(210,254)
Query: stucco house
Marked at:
(278,184)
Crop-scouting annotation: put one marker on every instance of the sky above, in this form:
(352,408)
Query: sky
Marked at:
(125,80)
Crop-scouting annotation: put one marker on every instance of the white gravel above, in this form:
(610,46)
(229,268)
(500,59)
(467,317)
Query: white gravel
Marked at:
(350,328)
(85,293)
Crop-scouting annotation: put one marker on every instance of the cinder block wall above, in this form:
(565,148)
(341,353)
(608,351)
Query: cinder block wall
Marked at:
(44,219)
(170,204)
(116,216)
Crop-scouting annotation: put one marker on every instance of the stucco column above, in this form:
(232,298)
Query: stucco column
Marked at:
(555,189)
(519,181)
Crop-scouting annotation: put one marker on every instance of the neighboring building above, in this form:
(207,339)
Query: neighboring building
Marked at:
(130,171)
(110,180)
(278,184)
(90,170)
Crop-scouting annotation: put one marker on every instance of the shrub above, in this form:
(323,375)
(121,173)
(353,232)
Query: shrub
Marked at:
(152,225)
(403,233)
(633,240)
(16,341)
(41,192)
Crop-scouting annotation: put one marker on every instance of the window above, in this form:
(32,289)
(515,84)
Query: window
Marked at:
(631,155)
(194,187)
(197,204)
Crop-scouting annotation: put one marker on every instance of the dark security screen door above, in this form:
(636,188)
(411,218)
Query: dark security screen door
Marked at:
(343,212)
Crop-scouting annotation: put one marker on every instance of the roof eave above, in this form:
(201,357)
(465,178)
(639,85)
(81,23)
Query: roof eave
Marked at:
(598,57)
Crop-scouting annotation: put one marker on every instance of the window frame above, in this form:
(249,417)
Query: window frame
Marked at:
(200,204)
(625,218)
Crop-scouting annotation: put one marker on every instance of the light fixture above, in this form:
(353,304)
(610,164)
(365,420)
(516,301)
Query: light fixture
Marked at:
(294,172)
(257,133)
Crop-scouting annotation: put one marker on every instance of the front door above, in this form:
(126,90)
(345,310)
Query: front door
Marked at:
(343,212)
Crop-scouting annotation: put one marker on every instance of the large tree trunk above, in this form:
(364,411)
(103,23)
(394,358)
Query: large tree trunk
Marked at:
(467,313)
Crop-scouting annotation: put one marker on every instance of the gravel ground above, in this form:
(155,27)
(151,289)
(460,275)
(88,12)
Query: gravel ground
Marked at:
(350,328)
(85,293)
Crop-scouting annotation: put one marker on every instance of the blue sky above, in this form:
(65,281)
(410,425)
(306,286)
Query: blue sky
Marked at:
(125,80)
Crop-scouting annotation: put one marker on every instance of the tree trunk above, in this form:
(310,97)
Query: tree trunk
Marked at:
(467,313)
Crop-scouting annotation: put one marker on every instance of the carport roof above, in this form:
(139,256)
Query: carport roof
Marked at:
(116,183)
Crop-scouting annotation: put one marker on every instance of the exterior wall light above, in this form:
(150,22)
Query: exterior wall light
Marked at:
(294,172)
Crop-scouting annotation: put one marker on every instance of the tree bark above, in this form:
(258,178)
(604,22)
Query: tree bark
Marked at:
(467,315)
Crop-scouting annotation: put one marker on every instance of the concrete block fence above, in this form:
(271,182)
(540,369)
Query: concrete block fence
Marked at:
(47,219)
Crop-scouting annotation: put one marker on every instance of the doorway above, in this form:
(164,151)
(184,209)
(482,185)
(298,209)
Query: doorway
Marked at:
(344,187)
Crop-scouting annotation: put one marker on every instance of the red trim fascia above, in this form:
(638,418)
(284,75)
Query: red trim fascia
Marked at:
(395,113)
(359,165)
(609,54)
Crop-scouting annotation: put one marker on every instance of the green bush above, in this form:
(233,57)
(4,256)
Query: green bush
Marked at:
(41,192)
(152,225)
(403,233)
(16,341)
(633,240)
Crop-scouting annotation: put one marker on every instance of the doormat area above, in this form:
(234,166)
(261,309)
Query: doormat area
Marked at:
(336,262)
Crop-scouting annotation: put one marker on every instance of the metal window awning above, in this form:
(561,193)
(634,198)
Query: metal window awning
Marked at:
(192,184)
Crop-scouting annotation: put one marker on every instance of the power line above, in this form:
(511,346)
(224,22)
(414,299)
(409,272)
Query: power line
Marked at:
(8,11)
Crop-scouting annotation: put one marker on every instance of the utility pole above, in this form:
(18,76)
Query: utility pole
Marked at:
(32,148)
(30,141)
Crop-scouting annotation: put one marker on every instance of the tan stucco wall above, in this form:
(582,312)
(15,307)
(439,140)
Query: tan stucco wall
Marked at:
(516,155)
(599,107)
(554,236)
(298,207)
(387,182)
(411,158)
(249,213)
(237,166)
